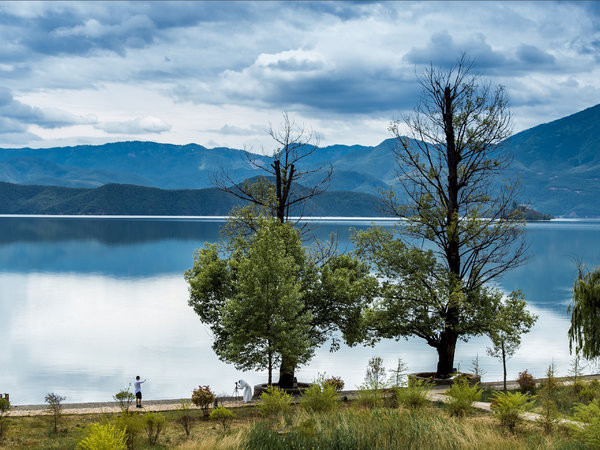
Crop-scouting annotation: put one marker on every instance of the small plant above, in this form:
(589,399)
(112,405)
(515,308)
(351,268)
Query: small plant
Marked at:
(462,396)
(586,393)
(398,375)
(320,397)
(124,399)
(203,397)
(415,395)
(509,407)
(185,417)
(590,416)
(132,425)
(222,415)
(4,408)
(548,396)
(154,424)
(274,401)
(55,407)
(477,369)
(103,437)
(375,377)
(526,382)
(576,367)
(336,382)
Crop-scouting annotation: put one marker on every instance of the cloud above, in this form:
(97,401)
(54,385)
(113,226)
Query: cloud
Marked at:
(232,130)
(15,116)
(533,56)
(142,125)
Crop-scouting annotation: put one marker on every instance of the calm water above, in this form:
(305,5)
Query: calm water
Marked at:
(87,304)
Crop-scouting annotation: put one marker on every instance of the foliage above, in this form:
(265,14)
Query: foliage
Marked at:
(466,233)
(590,416)
(526,382)
(154,424)
(222,415)
(548,398)
(415,395)
(270,303)
(203,397)
(4,408)
(509,407)
(132,425)
(462,396)
(510,323)
(274,402)
(576,367)
(370,393)
(55,407)
(584,334)
(103,437)
(478,371)
(320,397)
(185,417)
(336,382)
(398,376)
(124,398)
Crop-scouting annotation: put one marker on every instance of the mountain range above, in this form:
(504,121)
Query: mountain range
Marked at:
(558,164)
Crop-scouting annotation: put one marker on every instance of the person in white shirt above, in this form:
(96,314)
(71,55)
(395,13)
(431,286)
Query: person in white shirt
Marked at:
(138,391)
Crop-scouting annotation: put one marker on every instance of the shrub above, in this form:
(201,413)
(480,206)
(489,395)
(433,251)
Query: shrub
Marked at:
(274,401)
(103,437)
(587,394)
(414,396)
(154,424)
(590,416)
(509,407)
(4,408)
(132,425)
(124,398)
(320,397)
(222,415)
(203,397)
(369,398)
(185,417)
(336,382)
(55,407)
(526,382)
(548,398)
(462,396)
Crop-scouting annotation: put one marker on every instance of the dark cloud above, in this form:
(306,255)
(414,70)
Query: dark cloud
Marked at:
(533,56)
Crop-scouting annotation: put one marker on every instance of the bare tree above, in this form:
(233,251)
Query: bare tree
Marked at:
(447,166)
(281,191)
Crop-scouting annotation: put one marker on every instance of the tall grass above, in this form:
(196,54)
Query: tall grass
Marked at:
(385,429)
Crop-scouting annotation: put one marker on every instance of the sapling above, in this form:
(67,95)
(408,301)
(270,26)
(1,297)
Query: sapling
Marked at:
(185,417)
(4,408)
(124,398)
(398,375)
(55,407)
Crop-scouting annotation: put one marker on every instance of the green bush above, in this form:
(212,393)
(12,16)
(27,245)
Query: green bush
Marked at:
(222,415)
(526,382)
(587,394)
(4,408)
(274,401)
(132,425)
(369,398)
(509,407)
(103,437)
(320,397)
(124,398)
(184,416)
(415,395)
(462,396)
(203,397)
(154,424)
(590,416)
(548,397)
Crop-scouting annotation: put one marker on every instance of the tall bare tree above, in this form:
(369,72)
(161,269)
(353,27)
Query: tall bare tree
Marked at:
(284,187)
(463,228)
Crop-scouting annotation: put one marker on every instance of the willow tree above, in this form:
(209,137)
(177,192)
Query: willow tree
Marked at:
(584,333)
(461,231)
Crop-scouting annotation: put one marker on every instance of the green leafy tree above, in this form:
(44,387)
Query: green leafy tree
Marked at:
(461,231)
(269,303)
(511,321)
(584,333)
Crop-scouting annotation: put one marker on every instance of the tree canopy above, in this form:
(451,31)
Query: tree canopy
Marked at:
(584,333)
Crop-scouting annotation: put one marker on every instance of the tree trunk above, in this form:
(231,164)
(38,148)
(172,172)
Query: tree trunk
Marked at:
(446,349)
(504,364)
(270,368)
(286,373)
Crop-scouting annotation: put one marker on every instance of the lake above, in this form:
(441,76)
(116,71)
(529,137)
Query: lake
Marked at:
(86,304)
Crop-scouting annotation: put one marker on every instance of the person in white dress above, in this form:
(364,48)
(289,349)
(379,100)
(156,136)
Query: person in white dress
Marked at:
(247,391)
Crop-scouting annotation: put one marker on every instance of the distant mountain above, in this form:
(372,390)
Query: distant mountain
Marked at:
(558,164)
(121,199)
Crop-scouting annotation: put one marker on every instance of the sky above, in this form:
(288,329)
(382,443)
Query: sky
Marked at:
(220,73)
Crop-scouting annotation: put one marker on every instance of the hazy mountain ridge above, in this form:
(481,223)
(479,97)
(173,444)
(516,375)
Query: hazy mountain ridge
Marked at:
(558,164)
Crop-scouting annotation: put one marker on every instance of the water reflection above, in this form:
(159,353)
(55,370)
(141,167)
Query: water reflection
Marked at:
(86,306)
